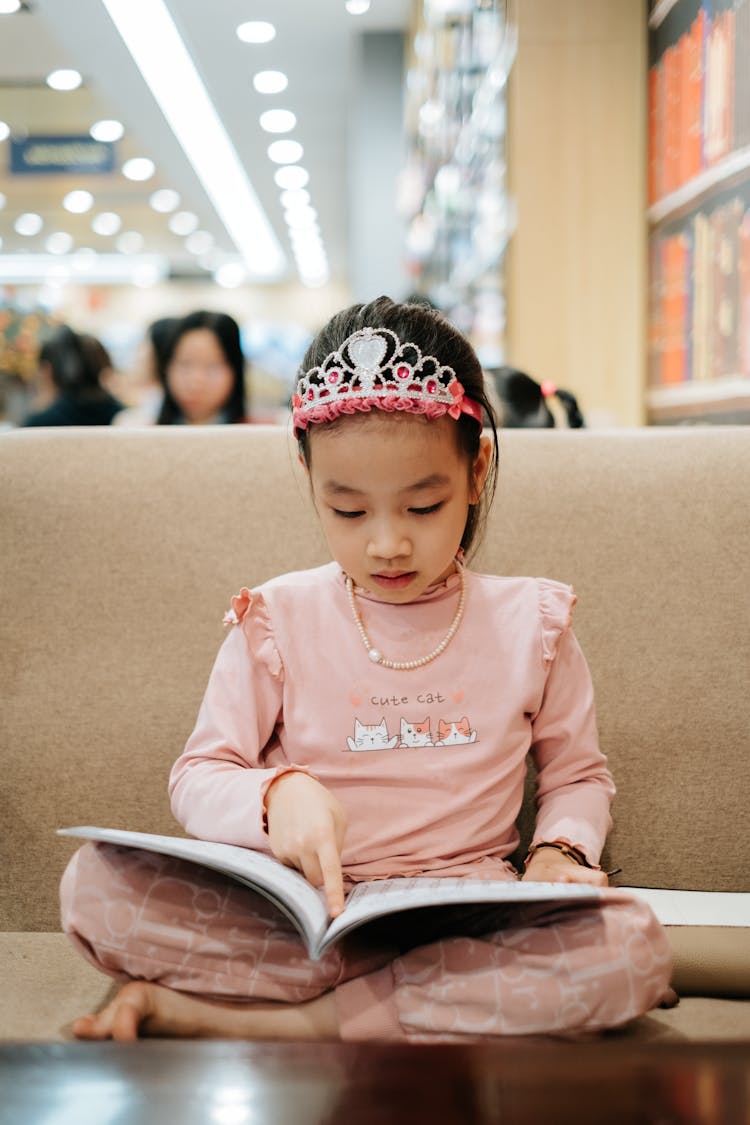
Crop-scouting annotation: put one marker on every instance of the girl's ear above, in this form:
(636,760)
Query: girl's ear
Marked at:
(481,467)
(303,463)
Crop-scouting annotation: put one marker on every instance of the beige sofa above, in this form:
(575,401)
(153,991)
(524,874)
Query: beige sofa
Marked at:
(121,549)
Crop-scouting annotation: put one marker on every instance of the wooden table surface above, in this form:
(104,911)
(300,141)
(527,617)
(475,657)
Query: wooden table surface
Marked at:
(219,1083)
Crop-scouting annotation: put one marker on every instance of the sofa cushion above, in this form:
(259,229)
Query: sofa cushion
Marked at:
(121,550)
(710,960)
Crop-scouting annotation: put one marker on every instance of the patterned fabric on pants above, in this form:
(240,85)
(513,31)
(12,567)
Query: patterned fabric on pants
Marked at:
(138,915)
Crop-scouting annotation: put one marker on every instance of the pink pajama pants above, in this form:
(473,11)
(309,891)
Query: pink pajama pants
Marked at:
(138,915)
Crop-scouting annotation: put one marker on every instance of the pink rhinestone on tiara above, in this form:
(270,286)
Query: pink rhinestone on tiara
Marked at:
(373,368)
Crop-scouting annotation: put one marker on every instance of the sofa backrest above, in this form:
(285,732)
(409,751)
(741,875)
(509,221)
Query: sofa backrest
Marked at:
(122,548)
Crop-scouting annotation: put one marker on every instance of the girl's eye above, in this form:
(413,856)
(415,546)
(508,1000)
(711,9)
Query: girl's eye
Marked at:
(426,511)
(346,515)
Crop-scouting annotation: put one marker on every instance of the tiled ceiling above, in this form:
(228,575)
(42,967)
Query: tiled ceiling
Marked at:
(313,46)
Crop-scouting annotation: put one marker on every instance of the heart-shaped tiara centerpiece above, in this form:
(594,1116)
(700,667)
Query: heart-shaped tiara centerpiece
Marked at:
(367,351)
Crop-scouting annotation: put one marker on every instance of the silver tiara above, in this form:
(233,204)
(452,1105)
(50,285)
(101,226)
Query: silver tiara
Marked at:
(374,364)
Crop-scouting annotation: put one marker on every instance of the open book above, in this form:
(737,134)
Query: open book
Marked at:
(306,907)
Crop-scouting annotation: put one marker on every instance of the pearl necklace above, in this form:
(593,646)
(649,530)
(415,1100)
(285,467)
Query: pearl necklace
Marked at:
(407,665)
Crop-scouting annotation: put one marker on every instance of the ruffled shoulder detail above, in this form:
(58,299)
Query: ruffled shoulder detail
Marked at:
(239,607)
(556,602)
(249,611)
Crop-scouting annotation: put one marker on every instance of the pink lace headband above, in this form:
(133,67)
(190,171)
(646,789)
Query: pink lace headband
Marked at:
(373,368)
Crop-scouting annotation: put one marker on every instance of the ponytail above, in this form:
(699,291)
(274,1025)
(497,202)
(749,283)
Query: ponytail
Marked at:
(524,401)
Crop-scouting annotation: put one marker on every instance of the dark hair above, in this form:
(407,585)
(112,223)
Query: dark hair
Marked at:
(524,401)
(98,355)
(159,334)
(434,335)
(74,364)
(227,332)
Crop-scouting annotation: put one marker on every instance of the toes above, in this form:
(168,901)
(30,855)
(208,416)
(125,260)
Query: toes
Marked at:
(121,1018)
(126,1022)
(91,1027)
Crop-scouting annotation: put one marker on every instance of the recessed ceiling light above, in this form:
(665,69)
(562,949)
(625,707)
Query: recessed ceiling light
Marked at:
(4,130)
(256,31)
(357,7)
(106,223)
(28,224)
(277,120)
(291,177)
(199,242)
(270,81)
(230,275)
(78,202)
(294,198)
(129,242)
(64,79)
(301,217)
(285,152)
(8,7)
(138,168)
(165,200)
(183,222)
(107,130)
(306,241)
(59,242)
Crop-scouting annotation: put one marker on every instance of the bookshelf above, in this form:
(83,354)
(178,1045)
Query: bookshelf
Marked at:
(453,192)
(699,212)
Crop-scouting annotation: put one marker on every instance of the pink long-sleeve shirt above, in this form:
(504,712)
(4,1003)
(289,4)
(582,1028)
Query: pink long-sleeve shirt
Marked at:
(429,764)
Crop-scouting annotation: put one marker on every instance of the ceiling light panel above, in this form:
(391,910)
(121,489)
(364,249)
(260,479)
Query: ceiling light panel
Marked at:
(149,33)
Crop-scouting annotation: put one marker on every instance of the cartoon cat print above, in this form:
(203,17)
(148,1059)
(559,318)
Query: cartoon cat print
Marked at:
(416,734)
(371,736)
(455,733)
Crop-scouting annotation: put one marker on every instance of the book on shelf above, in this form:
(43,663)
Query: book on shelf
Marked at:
(305,906)
(699,94)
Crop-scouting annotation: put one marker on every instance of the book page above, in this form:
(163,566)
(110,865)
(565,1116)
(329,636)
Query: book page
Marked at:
(380,897)
(696,908)
(287,889)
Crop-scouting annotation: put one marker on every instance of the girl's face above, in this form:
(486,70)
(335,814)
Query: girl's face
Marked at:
(393,492)
(199,377)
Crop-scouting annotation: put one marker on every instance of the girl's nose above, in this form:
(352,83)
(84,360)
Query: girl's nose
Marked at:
(388,542)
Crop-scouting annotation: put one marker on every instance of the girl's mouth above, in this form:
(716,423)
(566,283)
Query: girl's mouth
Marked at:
(394,581)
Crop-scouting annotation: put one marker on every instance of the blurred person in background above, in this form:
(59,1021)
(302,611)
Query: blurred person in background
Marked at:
(68,387)
(526,404)
(145,385)
(204,372)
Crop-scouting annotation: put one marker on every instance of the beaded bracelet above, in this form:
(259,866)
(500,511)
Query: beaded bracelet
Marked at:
(567,849)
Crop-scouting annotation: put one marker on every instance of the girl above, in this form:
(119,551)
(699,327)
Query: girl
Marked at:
(372,718)
(204,372)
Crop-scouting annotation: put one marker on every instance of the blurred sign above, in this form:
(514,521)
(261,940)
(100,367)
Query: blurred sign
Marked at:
(46,156)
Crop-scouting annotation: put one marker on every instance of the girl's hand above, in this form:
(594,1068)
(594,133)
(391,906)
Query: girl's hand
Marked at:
(550,866)
(306,829)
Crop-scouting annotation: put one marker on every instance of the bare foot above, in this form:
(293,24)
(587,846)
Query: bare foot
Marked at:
(141,1008)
